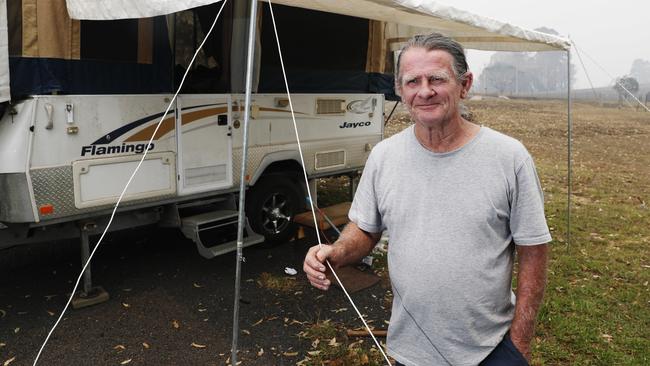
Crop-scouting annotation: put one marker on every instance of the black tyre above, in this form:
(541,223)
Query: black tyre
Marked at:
(271,205)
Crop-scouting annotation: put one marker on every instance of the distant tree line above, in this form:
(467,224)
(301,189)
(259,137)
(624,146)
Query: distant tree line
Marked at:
(513,73)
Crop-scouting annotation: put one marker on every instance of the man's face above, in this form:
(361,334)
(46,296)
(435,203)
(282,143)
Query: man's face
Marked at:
(429,87)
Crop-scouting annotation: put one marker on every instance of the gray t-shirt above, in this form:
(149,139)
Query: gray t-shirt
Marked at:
(452,219)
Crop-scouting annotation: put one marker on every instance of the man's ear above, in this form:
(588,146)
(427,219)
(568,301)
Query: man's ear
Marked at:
(467,84)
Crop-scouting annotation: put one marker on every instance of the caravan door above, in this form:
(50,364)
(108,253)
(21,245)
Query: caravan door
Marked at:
(204,143)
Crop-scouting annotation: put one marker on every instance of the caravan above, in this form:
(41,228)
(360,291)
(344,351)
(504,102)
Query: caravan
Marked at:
(86,96)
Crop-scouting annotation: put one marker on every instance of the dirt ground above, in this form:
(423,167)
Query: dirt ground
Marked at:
(169,306)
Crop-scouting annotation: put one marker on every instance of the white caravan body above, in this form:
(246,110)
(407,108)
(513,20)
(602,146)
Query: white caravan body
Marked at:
(68,157)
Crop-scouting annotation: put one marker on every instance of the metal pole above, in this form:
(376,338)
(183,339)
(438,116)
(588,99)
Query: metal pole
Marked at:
(242,181)
(569,128)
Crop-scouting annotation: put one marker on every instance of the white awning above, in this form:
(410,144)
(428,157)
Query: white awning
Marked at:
(125,9)
(5,93)
(473,31)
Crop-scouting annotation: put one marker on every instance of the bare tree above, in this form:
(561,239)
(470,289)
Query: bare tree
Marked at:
(626,86)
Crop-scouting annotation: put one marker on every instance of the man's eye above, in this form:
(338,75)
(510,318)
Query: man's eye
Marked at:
(411,82)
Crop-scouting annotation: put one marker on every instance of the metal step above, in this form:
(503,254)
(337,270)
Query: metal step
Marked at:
(215,232)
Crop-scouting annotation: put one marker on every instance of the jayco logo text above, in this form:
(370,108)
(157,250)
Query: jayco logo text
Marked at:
(354,124)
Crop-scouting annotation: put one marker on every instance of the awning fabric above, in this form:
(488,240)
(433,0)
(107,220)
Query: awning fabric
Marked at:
(5,93)
(124,9)
(412,17)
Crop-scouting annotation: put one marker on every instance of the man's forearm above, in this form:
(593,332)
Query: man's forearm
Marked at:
(531,282)
(353,244)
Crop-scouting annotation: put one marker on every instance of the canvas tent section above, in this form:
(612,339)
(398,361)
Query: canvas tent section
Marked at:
(323,52)
(51,53)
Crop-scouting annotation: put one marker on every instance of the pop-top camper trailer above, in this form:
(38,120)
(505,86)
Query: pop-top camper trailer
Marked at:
(79,100)
(86,97)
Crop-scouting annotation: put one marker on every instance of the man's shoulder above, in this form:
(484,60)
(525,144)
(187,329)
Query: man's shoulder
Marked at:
(398,139)
(503,143)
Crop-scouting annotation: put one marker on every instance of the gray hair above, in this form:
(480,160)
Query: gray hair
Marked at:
(435,41)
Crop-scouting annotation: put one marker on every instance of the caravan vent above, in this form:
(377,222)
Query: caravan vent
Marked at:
(330,159)
(330,106)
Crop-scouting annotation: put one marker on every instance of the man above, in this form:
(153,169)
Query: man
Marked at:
(456,199)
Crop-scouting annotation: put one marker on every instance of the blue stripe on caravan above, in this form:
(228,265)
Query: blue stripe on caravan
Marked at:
(106,139)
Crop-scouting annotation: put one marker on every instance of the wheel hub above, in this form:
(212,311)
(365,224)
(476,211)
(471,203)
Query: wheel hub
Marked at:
(276,213)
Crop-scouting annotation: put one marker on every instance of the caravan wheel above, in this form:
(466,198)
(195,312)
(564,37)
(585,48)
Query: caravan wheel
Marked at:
(271,204)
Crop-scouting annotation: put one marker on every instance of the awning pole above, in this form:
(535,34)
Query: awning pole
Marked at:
(569,143)
(242,180)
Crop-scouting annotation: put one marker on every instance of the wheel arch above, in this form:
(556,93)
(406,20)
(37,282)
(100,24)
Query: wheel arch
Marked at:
(278,162)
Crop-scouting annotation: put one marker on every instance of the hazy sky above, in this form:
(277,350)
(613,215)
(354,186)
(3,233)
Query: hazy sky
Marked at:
(613,33)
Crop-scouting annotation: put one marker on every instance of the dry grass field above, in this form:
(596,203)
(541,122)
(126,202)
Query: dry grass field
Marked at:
(597,305)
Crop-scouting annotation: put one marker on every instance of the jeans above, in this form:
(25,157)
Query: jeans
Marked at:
(504,354)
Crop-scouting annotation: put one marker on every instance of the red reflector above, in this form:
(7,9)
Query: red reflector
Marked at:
(248,177)
(46,209)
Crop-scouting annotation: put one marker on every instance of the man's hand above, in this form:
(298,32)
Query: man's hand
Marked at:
(315,266)
(352,245)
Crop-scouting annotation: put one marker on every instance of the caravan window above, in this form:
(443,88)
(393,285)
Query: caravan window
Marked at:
(115,40)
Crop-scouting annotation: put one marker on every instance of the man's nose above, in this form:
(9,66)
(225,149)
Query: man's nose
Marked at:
(426,90)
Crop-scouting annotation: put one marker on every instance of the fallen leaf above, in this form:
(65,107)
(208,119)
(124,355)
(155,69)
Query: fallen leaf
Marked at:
(119,347)
(2,313)
(126,305)
(145,345)
(126,361)
(364,359)
(175,324)
(9,361)
(258,322)
(315,343)
(16,330)
(48,297)
(51,313)
(202,310)
(313,353)
(196,285)
(608,338)
(196,345)
(333,342)
(126,289)
(2,344)
(260,352)
(246,332)
(290,354)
